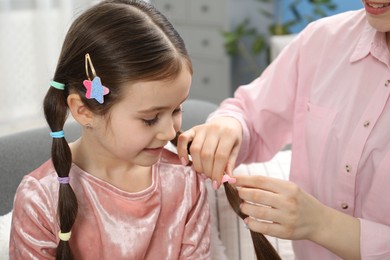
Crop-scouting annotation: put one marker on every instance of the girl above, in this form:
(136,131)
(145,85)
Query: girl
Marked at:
(115,193)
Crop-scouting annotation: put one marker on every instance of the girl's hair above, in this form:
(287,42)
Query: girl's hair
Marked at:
(128,41)
(263,248)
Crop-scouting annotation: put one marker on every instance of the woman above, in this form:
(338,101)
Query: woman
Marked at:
(327,94)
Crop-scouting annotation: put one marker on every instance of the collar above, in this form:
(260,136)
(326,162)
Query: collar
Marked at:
(370,42)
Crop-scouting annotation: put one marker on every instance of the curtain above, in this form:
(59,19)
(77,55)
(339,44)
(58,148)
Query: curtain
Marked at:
(31,36)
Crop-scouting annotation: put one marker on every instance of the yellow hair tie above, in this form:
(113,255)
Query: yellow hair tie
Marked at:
(64,236)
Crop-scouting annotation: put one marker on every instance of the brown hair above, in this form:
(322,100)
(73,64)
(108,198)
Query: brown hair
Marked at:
(129,41)
(263,248)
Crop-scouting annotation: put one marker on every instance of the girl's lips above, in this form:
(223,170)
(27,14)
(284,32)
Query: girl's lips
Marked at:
(376,8)
(154,150)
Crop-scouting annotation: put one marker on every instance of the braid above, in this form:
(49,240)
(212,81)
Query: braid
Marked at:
(56,112)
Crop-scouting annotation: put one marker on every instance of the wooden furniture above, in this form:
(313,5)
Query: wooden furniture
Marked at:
(200,23)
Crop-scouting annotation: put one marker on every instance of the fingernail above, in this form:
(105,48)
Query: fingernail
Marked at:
(183,161)
(246,221)
(232,180)
(215,185)
(227,178)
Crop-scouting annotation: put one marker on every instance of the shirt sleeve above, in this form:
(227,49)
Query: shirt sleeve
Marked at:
(265,107)
(33,221)
(196,238)
(374,240)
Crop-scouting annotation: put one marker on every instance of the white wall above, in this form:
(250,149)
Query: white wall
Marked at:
(31,34)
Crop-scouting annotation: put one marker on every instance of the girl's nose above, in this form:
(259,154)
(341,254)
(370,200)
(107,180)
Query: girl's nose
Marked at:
(167,131)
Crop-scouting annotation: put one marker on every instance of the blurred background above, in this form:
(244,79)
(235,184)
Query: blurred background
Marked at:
(230,42)
(31,32)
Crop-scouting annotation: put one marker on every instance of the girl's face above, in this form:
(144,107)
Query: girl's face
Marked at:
(148,117)
(378,14)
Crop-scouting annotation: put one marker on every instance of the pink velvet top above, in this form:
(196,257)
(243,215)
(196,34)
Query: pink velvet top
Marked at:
(168,220)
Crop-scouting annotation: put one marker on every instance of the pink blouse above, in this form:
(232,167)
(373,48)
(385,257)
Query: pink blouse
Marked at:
(168,220)
(328,93)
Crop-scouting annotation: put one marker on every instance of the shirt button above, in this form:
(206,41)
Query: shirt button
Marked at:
(366,124)
(344,205)
(348,168)
(387,83)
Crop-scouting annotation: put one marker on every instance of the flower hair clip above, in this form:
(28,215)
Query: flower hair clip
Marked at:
(95,89)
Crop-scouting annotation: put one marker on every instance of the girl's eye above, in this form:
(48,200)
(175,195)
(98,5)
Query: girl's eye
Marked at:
(177,110)
(151,122)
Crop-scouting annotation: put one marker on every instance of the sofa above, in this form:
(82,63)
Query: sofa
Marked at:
(22,152)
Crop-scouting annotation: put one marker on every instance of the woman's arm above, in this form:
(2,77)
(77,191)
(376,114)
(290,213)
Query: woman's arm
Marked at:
(252,126)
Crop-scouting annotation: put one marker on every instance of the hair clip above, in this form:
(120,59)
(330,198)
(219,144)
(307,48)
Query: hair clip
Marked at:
(95,89)
(57,85)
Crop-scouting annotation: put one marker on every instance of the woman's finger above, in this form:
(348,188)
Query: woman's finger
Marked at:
(268,228)
(262,182)
(261,197)
(261,212)
(200,161)
(225,157)
(183,142)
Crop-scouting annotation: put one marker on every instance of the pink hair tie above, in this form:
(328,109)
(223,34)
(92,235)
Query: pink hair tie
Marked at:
(63,180)
(227,178)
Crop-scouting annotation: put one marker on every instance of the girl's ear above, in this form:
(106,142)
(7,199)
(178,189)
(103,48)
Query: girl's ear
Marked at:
(79,111)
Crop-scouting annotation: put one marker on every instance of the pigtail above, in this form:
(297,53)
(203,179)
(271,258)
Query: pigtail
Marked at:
(56,112)
(263,248)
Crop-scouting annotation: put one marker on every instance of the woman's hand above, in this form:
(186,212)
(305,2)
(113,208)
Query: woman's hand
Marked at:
(281,209)
(214,147)
(287,211)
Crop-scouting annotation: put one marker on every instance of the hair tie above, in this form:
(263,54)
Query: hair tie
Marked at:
(63,180)
(57,85)
(58,134)
(64,236)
